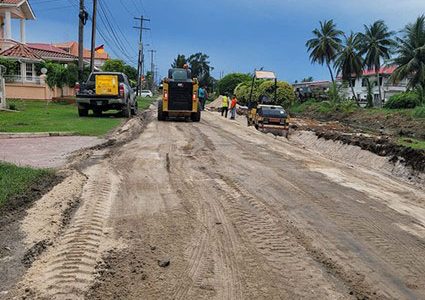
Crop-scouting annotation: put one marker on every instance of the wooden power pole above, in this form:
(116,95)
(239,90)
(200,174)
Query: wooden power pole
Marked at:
(93,36)
(82,16)
(141,56)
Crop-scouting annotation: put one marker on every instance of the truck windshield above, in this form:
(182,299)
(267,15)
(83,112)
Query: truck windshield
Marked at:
(273,112)
(179,75)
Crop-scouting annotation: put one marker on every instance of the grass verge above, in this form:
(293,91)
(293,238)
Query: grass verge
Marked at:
(16,180)
(412,143)
(43,116)
(145,102)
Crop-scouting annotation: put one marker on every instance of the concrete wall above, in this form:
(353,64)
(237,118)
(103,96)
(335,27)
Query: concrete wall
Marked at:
(33,91)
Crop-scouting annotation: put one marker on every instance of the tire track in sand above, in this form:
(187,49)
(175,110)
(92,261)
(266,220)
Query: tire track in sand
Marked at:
(67,270)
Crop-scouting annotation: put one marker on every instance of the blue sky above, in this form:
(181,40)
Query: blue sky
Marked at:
(238,35)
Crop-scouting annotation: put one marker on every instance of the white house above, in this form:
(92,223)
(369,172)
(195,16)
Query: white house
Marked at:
(387,87)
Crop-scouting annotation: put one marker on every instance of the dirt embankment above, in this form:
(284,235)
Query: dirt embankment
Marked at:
(383,146)
(395,124)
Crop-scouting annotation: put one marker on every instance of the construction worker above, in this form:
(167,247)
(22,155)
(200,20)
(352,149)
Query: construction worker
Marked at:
(224,106)
(201,96)
(233,107)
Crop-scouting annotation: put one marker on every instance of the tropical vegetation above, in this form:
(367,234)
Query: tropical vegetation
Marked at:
(377,46)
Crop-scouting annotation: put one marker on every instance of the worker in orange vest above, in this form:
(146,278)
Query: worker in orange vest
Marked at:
(233,107)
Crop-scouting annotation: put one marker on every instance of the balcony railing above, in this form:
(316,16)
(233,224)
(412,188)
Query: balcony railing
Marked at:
(23,79)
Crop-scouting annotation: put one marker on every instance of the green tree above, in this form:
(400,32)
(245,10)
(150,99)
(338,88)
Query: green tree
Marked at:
(12,66)
(113,65)
(228,83)
(325,45)
(179,62)
(308,79)
(376,46)
(57,76)
(411,55)
(200,67)
(349,62)
(131,73)
(285,92)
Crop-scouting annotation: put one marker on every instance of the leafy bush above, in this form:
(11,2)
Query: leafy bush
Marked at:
(228,83)
(419,112)
(12,106)
(403,100)
(285,92)
(12,66)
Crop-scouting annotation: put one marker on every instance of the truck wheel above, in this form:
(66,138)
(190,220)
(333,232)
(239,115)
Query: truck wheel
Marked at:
(161,116)
(196,117)
(97,112)
(82,112)
(135,109)
(126,110)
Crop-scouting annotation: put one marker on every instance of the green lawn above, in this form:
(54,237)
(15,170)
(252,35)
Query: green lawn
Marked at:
(16,180)
(40,116)
(145,102)
(413,143)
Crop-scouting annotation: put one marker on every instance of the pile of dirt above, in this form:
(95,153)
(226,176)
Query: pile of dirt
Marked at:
(216,104)
(380,145)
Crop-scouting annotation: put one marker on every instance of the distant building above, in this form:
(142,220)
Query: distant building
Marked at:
(72,48)
(312,89)
(24,79)
(388,88)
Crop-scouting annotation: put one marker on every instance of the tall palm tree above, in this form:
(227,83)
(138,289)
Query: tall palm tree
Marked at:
(349,62)
(411,55)
(179,62)
(200,67)
(377,45)
(325,45)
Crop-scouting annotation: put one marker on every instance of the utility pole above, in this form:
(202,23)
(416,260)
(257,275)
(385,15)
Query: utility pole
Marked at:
(152,68)
(93,35)
(82,16)
(140,60)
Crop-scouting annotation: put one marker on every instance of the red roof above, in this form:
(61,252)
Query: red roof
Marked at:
(383,71)
(21,51)
(11,1)
(47,51)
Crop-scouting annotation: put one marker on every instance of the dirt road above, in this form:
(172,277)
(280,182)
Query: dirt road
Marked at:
(216,210)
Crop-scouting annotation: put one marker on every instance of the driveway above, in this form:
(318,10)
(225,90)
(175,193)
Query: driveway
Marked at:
(43,152)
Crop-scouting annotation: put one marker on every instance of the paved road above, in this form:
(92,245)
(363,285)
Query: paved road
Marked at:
(216,210)
(43,152)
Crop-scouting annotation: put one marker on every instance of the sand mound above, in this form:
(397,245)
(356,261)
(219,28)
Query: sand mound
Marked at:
(215,104)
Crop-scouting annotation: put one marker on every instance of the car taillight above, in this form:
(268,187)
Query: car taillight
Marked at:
(77,88)
(194,97)
(165,95)
(122,90)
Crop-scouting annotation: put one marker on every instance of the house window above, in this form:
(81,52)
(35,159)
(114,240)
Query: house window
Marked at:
(29,73)
(364,82)
(353,82)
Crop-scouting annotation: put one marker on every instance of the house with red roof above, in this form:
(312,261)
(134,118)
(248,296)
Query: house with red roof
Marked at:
(100,56)
(25,80)
(388,88)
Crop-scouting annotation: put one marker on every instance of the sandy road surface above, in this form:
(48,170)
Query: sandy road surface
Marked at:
(238,215)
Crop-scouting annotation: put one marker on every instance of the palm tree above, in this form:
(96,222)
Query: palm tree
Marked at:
(349,62)
(411,55)
(179,62)
(377,44)
(200,67)
(325,45)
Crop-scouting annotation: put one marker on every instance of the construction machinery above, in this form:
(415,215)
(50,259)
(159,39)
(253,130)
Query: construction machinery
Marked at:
(179,96)
(264,113)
